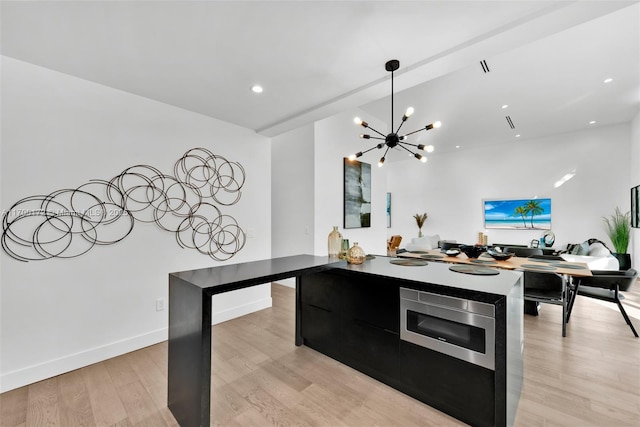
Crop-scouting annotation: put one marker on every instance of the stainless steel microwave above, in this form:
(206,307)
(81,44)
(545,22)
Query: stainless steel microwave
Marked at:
(458,327)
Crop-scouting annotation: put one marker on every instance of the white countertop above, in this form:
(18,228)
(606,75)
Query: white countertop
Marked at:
(438,273)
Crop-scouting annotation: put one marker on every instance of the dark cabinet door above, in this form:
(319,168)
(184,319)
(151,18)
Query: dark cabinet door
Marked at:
(320,329)
(370,325)
(374,301)
(322,290)
(461,389)
(320,312)
(370,349)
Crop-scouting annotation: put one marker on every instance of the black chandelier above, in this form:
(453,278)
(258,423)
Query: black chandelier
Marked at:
(392,140)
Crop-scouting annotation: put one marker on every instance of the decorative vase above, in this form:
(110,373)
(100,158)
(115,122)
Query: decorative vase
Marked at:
(334,242)
(419,232)
(355,255)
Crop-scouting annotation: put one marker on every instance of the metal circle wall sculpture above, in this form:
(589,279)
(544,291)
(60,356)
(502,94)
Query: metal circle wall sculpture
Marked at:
(70,222)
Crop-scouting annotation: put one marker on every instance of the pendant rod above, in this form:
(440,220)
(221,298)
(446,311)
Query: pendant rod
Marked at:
(392,101)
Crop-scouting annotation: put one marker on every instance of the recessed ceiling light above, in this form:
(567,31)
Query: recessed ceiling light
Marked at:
(256,89)
(608,80)
(592,122)
(504,106)
(457,146)
(518,136)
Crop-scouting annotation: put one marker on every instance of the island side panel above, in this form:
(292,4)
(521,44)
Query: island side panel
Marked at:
(189,364)
(515,350)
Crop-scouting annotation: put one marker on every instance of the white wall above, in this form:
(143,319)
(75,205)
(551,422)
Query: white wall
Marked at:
(634,162)
(451,186)
(59,132)
(335,138)
(292,201)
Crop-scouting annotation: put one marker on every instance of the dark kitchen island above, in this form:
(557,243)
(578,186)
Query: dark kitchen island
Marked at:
(451,340)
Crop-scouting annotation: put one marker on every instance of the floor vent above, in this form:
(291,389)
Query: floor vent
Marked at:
(511,125)
(485,66)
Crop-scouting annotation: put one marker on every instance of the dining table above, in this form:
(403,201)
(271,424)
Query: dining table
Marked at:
(539,265)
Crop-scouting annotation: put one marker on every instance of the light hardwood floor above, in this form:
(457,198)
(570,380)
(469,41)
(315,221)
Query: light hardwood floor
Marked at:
(589,378)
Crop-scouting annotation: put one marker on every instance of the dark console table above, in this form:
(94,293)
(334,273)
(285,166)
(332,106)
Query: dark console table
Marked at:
(190,292)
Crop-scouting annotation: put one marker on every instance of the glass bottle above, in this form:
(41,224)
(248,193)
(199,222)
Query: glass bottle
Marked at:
(344,249)
(334,242)
(355,255)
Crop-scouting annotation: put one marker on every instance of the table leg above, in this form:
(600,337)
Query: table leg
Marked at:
(189,367)
(298,338)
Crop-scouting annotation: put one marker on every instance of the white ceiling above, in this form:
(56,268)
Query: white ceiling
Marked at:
(316,58)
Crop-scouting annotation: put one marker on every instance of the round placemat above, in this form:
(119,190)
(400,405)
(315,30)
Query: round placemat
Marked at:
(573,266)
(432,256)
(543,260)
(418,252)
(538,267)
(482,261)
(409,262)
(474,269)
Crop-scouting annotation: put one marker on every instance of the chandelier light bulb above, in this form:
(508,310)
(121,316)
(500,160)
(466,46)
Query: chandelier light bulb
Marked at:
(381,162)
(429,148)
(357,121)
(437,124)
(409,112)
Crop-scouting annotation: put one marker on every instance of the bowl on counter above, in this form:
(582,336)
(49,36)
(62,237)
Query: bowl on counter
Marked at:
(473,251)
(500,256)
(451,252)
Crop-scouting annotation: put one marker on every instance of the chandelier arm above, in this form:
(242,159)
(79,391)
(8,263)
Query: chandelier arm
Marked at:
(379,133)
(401,123)
(386,151)
(377,137)
(408,143)
(405,148)
(415,131)
(372,148)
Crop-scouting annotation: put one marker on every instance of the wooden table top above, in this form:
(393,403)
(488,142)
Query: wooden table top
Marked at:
(513,263)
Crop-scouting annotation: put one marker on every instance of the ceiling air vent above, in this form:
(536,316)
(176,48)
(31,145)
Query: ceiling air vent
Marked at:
(485,66)
(511,125)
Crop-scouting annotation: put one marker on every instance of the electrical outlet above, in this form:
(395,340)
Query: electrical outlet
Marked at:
(160,303)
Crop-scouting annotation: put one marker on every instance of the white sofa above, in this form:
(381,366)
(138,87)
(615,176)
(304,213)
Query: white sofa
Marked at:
(423,243)
(595,255)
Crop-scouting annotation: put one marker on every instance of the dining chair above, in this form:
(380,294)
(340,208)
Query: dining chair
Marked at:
(540,287)
(607,286)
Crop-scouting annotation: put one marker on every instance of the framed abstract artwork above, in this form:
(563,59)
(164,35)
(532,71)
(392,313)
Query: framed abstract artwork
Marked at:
(357,194)
(388,210)
(517,214)
(635,206)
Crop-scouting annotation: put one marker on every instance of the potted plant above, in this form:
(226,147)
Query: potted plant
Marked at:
(420,219)
(618,227)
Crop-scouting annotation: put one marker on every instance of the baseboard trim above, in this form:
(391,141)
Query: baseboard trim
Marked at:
(34,373)
(31,374)
(240,310)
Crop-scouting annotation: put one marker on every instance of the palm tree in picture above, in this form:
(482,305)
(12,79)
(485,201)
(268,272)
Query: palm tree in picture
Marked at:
(522,211)
(533,208)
